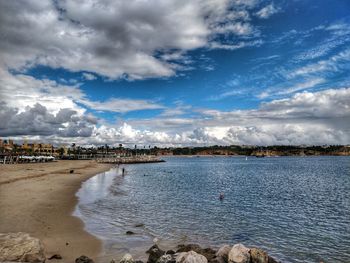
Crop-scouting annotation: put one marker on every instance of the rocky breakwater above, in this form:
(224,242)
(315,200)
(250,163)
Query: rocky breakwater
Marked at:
(21,247)
(193,253)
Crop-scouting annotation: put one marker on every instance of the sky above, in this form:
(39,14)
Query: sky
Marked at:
(175,72)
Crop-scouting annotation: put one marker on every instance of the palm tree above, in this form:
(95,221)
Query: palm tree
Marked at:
(61,151)
(73,148)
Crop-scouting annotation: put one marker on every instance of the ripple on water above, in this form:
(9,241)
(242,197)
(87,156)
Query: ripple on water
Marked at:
(298,209)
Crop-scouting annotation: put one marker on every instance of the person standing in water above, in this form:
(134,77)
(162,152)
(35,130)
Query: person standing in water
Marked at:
(221,197)
(123,171)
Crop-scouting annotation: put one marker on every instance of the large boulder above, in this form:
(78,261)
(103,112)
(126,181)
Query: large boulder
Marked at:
(21,247)
(167,258)
(258,255)
(127,258)
(209,253)
(154,254)
(188,247)
(190,257)
(239,254)
(222,254)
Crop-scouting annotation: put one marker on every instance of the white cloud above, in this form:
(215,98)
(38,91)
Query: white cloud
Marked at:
(226,94)
(306,118)
(308,84)
(324,48)
(306,106)
(89,76)
(237,28)
(267,11)
(302,86)
(178,110)
(20,91)
(234,46)
(332,64)
(116,39)
(288,134)
(121,105)
(37,120)
(339,28)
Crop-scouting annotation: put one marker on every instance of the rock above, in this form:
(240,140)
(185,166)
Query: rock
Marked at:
(127,258)
(222,254)
(209,253)
(154,254)
(55,256)
(272,260)
(191,257)
(239,254)
(167,258)
(138,261)
(83,259)
(258,255)
(71,171)
(170,252)
(130,232)
(21,247)
(214,260)
(188,247)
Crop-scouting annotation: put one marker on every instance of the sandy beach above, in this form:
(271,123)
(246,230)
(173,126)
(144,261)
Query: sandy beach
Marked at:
(39,199)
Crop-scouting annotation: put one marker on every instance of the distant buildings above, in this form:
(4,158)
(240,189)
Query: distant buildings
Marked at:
(45,149)
(7,145)
(38,148)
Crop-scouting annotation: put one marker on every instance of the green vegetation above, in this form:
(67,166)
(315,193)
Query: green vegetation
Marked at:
(280,150)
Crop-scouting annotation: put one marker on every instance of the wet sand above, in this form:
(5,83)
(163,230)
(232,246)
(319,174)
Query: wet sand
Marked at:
(39,199)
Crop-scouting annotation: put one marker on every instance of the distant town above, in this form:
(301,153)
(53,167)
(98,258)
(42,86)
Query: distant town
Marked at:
(10,148)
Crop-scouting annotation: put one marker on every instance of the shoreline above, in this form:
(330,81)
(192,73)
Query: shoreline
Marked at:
(40,199)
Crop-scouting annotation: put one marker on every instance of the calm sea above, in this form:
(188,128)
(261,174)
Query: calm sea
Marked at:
(296,208)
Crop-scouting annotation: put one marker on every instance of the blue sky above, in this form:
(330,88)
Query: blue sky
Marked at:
(178,73)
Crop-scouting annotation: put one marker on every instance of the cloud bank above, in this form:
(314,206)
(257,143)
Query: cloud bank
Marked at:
(306,118)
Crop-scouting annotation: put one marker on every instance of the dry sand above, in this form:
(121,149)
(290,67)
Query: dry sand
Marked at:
(39,199)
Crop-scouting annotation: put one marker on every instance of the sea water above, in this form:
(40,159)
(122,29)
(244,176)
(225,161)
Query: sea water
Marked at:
(295,208)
